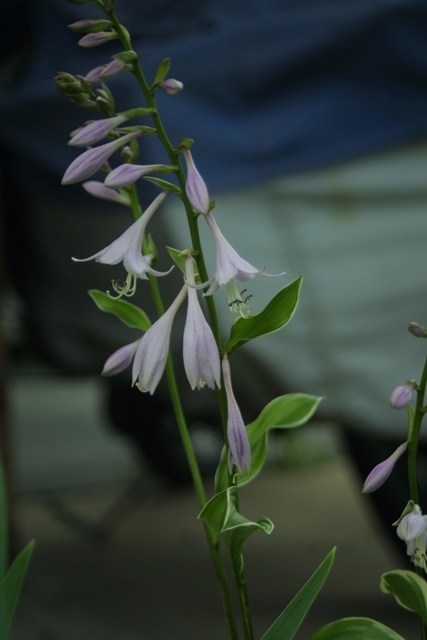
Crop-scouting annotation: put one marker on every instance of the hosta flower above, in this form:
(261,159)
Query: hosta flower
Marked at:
(99,190)
(239,451)
(381,472)
(152,352)
(120,359)
(195,186)
(126,174)
(95,131)
(88,163)
(413,530)
(95,39)
(127,249)
(201,359)
(402,395)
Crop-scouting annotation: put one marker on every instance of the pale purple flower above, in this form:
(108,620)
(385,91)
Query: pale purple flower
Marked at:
(381,472)
(113,68)
(200,351)
(126,174)
(94,75)
(195,186)
(152,352)
(120,359)
(127,248)
(171,86)
(413,530)
(95,131)
(90,161)
(402,395)
(239,451)
(99,190)
(95,39)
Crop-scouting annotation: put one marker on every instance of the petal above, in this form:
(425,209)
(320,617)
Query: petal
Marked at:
(200,352)
(120,359)
(195,186)
(99,190)
(126,174)
(238,441)
(95,131)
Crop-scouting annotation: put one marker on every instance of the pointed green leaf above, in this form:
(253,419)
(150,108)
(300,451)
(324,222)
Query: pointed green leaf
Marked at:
(356,629)
(165,185)
(285,412)
(11,586)
(162,71)
(128,313)
(289,621)
(273,317)
(222,515)
(409,589)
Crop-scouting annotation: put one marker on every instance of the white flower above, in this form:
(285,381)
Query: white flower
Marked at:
(413,530)
(200,352)
(239,451)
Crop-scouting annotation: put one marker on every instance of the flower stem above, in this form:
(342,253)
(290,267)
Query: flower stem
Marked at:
(415,434)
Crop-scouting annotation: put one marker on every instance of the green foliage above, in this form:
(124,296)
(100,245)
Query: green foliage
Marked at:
(409,589)
(165,185)
(128,313)
(289,621)
(285,412)
(222,515)
(273,317)
(162,71)
(356,629)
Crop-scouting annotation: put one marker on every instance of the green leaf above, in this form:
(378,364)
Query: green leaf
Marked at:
(165,185)
(222,515)
(11,586)
(284,412)
(356,629)
(289,621)
(273,317)
(409,589)
(128,313)
(162,71)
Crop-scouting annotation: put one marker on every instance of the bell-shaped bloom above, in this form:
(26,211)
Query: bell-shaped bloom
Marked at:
(195,186)
(127,249)
(381,472)
(90,161)
(239,450)
(402,395)
(171,86)
(120,359)
(95,131)
(96,39)
(126,174)
(413,530)
(152,352)
(200,352)
(99,190)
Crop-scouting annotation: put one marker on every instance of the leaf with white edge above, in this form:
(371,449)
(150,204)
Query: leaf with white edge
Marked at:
(222,515)
(11,586)
(284,412)
(289,621)
(409,589)
(131,315)
(273,317)
(356,629)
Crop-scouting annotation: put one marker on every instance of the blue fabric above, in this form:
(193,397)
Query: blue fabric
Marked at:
(271,87)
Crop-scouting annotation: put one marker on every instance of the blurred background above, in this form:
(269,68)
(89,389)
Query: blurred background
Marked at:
(310,127)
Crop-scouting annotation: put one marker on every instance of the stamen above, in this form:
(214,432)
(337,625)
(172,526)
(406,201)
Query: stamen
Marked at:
(123,287)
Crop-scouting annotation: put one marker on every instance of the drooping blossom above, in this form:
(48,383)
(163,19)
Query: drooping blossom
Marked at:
(402,395)
(120,359)
(99,190)
(152,352)
(127,249)
(90,161)
(200,352)
(95,131)
(413,530)
(381,472)
(239,450)
(126,174)
(195,186)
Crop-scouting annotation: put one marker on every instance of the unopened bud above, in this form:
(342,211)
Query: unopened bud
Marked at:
(381,472)
(96,39)
(402,395)
(417,330)
(90,26)
(171,86)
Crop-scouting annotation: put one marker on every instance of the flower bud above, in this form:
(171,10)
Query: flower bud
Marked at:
(90,26)
(402,395)
(381,472)
(96,39)
(417,330)
(99,190)
(171,86)
(195,186)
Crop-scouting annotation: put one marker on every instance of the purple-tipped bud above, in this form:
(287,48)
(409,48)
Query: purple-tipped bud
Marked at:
(120,359)
(239,452)
(381,472)
(94,75)
(113,68)
(195,186)
(96,39)
(88,163)
(95,131)
(90,26)
(417,330)
(99,190)
(127,174)
(171,86)
(402,395)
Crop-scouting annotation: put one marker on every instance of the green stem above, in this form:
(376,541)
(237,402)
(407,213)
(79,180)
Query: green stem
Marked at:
(415,434)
